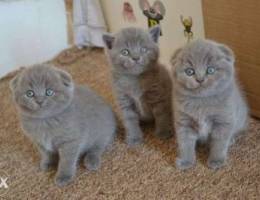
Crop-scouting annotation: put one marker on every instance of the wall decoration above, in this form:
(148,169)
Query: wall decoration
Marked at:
(187,23)
(128,12)
(154,13)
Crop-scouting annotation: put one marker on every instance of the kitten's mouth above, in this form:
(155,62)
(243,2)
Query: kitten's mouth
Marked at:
(200,88)
(197,87)
(40,106)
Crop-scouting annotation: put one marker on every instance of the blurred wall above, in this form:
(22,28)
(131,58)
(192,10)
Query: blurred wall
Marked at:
(32,31)
(236,24)
(171,26)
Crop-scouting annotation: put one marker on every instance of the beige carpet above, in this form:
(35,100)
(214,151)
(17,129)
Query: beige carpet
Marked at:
(146,172)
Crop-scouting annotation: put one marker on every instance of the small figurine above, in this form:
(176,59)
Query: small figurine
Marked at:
(187,23)
(128,12)
(153,13)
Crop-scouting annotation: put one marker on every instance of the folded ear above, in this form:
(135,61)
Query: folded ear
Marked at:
(65,78)
(155,32)
(227,52)
(175,56)
(108,40)
(14,82)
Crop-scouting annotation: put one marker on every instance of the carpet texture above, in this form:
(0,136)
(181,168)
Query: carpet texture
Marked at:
(145,172)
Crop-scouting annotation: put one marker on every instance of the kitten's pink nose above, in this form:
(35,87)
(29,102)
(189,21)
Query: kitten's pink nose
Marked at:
(200,80)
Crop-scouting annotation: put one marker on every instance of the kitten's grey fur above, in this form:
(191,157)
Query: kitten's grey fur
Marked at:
(74,121)
(207,107)
(141,84)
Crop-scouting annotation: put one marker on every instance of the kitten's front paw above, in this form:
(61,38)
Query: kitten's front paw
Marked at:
(92,163)
(216,163)
(46,165)
(163,134)
(134,141)
(184,164)
(62,180)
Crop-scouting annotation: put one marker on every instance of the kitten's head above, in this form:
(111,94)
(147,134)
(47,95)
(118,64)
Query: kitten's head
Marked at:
(203,68)
(133,50)
(42,91)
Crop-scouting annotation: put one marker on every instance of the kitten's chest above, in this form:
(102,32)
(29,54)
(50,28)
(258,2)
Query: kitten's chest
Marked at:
(202,108)
(47,132)
(200,115)
(132,88)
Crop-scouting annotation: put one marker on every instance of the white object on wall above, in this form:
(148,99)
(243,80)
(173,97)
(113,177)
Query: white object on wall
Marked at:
(32,31)
(89,23)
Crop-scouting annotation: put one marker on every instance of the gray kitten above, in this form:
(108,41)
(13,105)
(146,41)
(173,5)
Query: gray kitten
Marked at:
(63,119)
(142,85)
(208,104)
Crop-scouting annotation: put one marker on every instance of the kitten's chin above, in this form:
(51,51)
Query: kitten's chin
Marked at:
(133,69)
(137,68)
(193,87)
(132,65)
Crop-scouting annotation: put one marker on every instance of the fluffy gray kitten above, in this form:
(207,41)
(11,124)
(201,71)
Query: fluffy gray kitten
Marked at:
(64,120)
(208,104)
(141,84)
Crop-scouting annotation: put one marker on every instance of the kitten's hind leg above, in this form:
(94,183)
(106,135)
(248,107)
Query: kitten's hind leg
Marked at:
(69,154)
(92,159)
(162,122)
(237,136)
(48,159)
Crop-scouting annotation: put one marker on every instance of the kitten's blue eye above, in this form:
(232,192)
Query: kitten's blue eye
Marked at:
(143,50)
(189,71)
(211,70)
(49,92)
(29,93)
(125,52)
